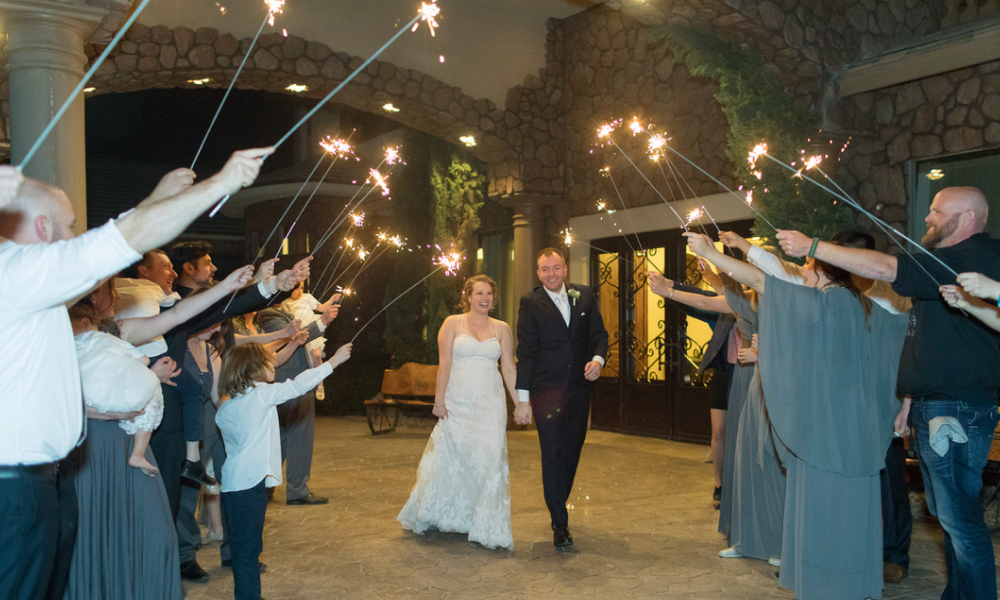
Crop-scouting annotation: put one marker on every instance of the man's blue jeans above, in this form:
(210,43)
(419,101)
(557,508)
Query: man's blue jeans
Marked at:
(952,485)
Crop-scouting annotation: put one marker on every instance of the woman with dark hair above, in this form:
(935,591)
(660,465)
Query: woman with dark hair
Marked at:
(463,479)
(827,365)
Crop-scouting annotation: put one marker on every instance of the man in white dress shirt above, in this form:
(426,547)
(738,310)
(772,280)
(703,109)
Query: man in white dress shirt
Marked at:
(44,267)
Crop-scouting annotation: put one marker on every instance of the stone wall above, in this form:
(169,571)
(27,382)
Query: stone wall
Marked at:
(940,115)
(600,67)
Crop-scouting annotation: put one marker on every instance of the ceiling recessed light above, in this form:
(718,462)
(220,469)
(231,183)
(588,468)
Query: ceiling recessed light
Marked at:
(89,90)
(388,107)
(935,174)
(468,140)
(297,88)
(199,81)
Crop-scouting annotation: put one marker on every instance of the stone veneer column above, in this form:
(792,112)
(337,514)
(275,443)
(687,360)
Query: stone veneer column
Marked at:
(46,62)
(529,237)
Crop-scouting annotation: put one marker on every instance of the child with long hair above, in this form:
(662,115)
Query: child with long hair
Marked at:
(248,420)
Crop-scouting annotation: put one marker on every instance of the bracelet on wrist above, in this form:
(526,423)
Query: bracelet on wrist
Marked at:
(812,250)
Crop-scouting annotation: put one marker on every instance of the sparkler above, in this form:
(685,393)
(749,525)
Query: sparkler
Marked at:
(273,7)
(338,148)
(889,230)
(427,13)
(112,45)
(449,262)
(390,242)
(606,171)
(605,132)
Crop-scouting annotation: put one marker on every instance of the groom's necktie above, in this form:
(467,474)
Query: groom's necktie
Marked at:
(563,305)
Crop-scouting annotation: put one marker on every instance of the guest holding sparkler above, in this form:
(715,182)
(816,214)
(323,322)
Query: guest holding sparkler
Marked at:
(948,367)
(975,285)
(832,420)
(463,479)
(307,309)
(897,521)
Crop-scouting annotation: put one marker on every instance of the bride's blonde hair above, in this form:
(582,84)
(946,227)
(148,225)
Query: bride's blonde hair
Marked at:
(465,305)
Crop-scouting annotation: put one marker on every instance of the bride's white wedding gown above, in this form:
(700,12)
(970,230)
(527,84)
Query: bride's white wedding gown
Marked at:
(463,482)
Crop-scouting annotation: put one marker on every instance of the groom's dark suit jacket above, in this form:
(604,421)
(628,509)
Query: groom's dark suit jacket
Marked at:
(551,356)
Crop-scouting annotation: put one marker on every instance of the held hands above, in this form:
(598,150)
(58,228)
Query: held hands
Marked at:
(592,370)
(165,370)
(522,413)
(659,284)
(242,169)
(733,240)
(699,243)
(954,296)
(238,278)
(340,356)
(979,285)
(794,243)
(10,180)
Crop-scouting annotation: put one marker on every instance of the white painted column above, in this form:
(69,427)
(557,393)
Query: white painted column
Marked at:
(45,62)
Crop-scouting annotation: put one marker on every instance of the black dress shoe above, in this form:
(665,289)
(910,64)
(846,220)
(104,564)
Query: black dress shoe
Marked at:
(561,537)
(192,571)
(310,499)
(228,563)
(196,473)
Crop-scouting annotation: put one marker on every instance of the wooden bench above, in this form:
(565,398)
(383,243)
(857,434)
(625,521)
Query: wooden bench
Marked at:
(410,387)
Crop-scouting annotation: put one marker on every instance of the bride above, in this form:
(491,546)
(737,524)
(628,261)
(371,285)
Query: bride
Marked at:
(463,479)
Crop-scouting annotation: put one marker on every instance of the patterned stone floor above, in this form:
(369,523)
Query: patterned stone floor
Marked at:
(641,519)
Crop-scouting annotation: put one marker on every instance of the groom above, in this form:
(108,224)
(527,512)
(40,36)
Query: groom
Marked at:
(561,345)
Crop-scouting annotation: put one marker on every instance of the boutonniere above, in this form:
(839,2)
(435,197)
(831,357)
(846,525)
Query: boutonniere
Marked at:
(573,294)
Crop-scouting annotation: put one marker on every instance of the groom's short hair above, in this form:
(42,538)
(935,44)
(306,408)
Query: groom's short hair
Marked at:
(550,252)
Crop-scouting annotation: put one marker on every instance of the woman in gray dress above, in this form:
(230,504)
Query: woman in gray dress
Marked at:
(827,361)
(126,545)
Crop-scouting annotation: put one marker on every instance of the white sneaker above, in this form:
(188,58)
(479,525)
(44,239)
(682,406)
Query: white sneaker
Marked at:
(730,553)
(774,561)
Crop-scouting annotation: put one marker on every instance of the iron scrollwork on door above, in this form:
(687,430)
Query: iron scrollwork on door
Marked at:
(645,325)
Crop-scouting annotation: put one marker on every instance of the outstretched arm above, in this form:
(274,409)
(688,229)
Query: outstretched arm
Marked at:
(866,263)
(662,286)
(742,272)
(153,224)
(139,330)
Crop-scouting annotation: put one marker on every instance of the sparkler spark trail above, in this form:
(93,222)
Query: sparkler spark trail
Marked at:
(337,148)
(390,242)
(378,180)
(273,6)
(606,171)
(889,230)
(424,14)
(612,140)
(83,84)
(449,262)
(428,14)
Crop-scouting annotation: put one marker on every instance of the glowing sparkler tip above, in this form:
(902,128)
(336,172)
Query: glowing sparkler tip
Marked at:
(357,219)
(428,14)
(568,236)
(336,146)
(813,161)
(274,7)
(377,179)
(757,152)
(694,215)
(396,241)
(605,130)
(392,155)
(749,196)
(635,126)
(451,262)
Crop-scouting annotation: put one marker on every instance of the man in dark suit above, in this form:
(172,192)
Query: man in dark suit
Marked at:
(297,417)
(562,344)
